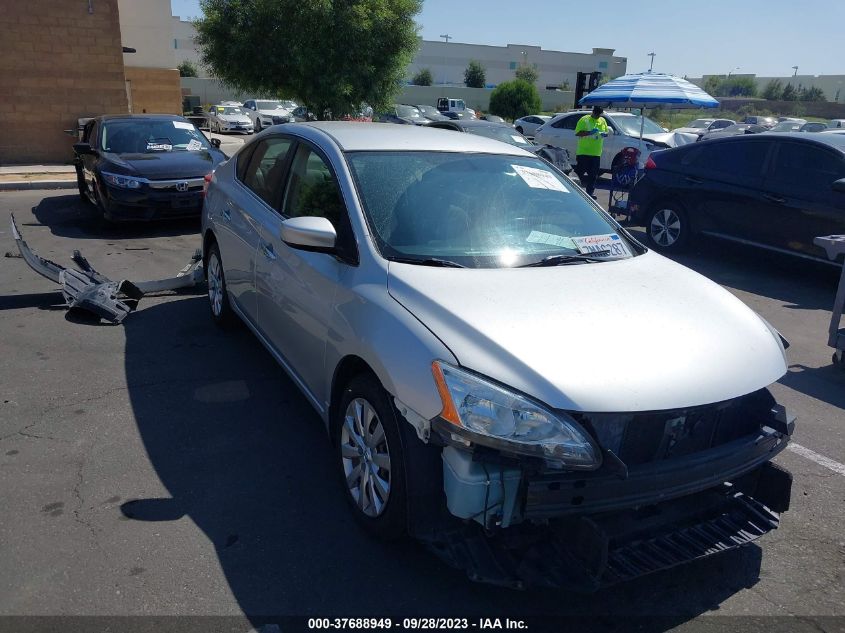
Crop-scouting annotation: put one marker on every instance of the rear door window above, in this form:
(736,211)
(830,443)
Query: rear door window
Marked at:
(740,160)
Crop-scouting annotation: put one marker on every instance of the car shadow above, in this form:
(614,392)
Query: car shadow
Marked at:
(799,283)
(826,384)
(70,216)
(244,456)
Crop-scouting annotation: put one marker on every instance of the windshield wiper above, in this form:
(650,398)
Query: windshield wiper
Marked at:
(555,260)
(429,261)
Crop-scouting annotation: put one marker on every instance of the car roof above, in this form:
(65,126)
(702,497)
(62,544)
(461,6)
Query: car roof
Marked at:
(141,117)
(831,140)
(474,123)
(354,137)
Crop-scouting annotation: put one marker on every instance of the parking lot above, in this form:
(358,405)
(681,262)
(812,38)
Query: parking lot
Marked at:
(165,467)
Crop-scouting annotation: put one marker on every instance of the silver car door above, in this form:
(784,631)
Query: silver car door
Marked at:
(297,288)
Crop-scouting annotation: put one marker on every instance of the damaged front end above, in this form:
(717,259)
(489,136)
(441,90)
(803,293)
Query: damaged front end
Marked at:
(672,486)
(86,289)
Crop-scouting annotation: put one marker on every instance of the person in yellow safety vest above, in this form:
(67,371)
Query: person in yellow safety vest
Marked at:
(591,131)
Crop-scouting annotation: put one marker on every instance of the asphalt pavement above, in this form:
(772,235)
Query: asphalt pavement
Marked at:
(165,467)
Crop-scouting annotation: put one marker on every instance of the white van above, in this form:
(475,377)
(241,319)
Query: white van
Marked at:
(836,123)
(444,104)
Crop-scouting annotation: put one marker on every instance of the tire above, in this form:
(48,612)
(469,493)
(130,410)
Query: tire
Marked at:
(370,458)
(257,126)
(101,214)
(667,227)
(81,186)
(519,129)
(218,297)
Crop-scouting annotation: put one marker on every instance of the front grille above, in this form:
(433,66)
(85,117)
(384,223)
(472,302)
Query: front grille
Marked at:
(640,438)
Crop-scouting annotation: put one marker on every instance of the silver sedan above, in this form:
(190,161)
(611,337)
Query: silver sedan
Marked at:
(493,356)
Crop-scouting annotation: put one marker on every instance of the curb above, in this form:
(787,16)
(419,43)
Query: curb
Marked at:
(28,185)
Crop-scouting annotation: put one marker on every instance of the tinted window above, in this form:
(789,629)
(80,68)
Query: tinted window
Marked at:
(569,122)
(742,159)
(807,166)
(147,136)
(312,189)
(266,169)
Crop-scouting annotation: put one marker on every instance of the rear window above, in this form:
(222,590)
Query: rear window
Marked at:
(740,158)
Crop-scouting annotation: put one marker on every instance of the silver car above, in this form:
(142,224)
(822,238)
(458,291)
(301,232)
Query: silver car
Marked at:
(503,371)
(228,118)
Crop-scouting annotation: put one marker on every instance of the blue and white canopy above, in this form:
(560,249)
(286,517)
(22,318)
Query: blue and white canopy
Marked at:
(649,89)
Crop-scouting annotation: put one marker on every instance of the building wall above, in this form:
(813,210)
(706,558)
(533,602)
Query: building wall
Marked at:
(447,62)
(58,62)
(183,43)
(147,26)
(154,90)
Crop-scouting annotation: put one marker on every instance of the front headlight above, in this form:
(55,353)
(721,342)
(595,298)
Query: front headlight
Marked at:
(488,414)
(124,182)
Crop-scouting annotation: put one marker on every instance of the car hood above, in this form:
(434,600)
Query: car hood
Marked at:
(672,139)
(234,118)
(641,334)
(164,165)
(274,112)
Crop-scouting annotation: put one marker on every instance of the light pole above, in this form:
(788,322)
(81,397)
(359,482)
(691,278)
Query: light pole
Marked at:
(446,37)
(795,68)
(651,65)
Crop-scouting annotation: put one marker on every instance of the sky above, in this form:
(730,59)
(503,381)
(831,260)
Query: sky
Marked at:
(764,37)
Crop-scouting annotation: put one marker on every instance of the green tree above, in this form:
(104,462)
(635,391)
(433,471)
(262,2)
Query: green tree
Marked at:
(331,55)
(712,85)
(187,69)
(789,93)
(813,94)
(475,75)
(527,73)
(423,78)
(514,99)
(565,85)
(773,90)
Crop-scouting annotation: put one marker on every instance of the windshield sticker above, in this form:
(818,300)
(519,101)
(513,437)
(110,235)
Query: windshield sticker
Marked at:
(538,237)
(194,146)
(611,242)
(519,139)
(159,147)
(181,125)
(539,178)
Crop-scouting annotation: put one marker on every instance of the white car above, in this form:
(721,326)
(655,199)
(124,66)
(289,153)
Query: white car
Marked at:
(623,131)
(700,127)
(527,125)
(228,118)
(266,112)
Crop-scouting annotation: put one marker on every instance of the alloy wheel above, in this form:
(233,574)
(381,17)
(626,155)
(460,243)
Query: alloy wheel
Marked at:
(366,460)
(665,227)
(215,285)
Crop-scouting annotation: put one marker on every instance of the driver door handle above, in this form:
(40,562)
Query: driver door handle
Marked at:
(268,251)
(773,198)
(693,180)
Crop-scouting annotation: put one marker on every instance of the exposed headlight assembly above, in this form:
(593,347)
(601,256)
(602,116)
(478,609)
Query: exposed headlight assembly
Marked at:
(124,182)
(488,414)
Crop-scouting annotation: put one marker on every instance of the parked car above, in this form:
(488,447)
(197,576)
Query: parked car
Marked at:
(455,115)
(229,118)
(302,114)
(836,124)
(700,127)
(402,114)
(813,126)
(505,133)
(528,124)
(777,191)
(733,130)
(788,125)
(624,131)
(264,112)
(445,104)
(765,121)
(144,167)
(441,299)
(431,113)
(492,118)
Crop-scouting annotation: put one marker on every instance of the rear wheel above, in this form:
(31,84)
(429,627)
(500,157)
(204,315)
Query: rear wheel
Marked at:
(667,227)
(218,298)
(370,457)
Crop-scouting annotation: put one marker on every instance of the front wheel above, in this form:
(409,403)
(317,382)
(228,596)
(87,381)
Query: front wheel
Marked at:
(519,129)
(667,228)
(257,126)
(218,297)
(370,457)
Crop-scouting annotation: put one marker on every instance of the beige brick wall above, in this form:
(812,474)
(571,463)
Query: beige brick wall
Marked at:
(58,62)
(156,90)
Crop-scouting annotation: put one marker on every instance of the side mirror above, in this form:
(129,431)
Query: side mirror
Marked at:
(83,149)
(665,129)
(839,185)
(309,233)
(215,143)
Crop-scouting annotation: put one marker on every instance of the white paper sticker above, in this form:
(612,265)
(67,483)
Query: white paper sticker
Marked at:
(182,125)
(194,146)
(611,242)
(538,237)
(539,178)
(519,139)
